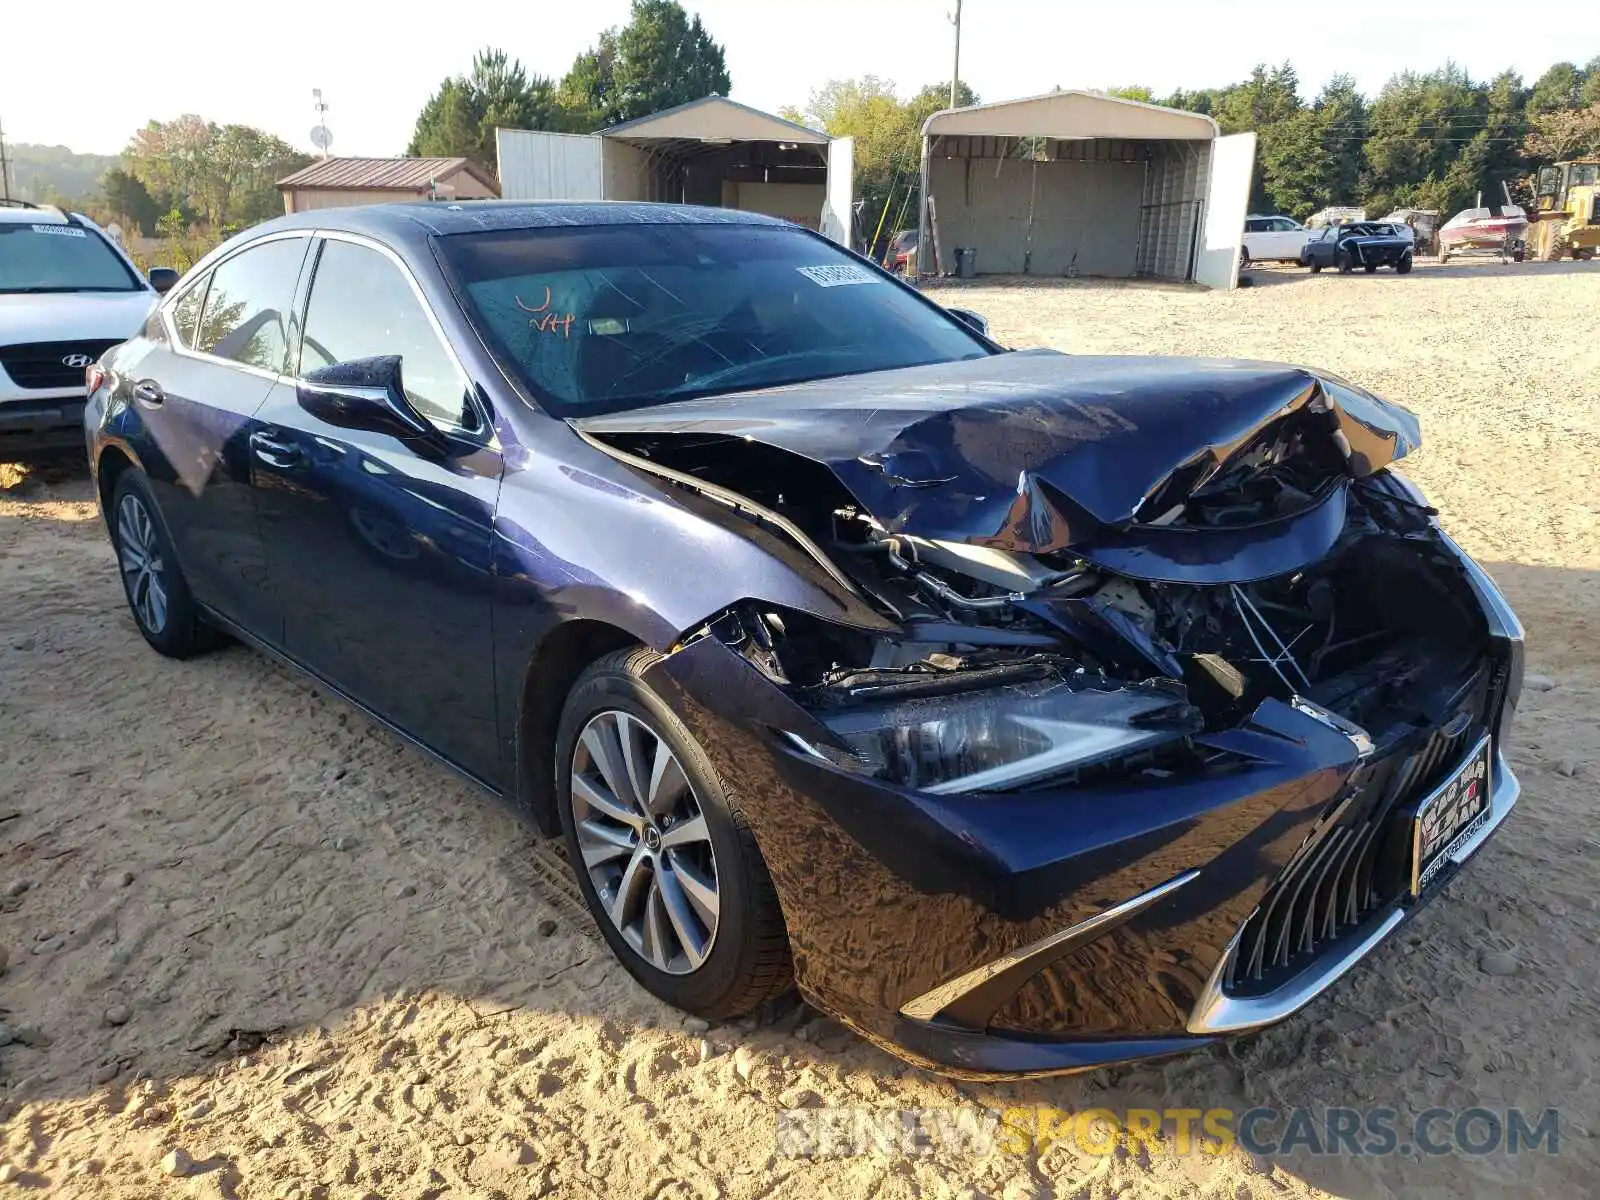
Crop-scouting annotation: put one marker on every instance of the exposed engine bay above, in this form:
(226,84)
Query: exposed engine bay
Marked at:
(1010,668)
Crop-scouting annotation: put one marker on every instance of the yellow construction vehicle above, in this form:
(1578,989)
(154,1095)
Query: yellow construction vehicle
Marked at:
(1566,216)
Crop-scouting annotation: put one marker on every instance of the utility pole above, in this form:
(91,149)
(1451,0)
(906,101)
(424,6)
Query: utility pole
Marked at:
(5,169)
(955,73)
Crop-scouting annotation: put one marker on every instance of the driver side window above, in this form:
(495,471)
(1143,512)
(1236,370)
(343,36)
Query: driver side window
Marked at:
(361,306)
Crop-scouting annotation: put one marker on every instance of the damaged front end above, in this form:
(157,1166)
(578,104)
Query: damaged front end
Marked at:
(1007,670)
(1221,534)
(1243,661)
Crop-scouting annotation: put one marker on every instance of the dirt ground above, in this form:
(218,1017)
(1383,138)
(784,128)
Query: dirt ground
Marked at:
(259,948)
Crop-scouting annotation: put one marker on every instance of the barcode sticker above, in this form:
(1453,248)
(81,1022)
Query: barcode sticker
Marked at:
(841,275)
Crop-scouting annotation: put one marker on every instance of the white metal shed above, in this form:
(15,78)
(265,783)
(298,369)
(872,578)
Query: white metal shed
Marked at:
(1079,183)
(713,151)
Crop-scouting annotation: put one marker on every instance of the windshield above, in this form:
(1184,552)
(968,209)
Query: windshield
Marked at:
(60,258)
(601,318)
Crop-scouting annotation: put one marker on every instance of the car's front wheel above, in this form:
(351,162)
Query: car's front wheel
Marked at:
(662,853)
(158,595)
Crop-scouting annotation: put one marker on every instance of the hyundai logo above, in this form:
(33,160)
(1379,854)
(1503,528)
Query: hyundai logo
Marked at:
(76,360)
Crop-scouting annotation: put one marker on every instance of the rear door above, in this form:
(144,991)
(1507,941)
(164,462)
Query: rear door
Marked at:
(1272,239)
(196,397)
(1257,241)
(383,555)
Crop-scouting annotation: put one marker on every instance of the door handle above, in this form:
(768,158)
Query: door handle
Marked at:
(148,391)
(275,453)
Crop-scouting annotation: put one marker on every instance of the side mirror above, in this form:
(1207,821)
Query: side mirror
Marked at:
(163,279)
(969,318)
(367,394)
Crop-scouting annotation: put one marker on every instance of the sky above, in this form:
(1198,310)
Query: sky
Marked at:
(89,76)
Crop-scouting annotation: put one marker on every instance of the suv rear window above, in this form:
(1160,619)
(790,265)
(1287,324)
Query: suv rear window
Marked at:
(51,257)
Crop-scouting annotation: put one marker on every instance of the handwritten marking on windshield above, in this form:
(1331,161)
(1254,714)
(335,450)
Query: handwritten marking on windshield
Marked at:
(546,321)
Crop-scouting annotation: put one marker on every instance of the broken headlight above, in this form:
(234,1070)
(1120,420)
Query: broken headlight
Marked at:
(1002,738)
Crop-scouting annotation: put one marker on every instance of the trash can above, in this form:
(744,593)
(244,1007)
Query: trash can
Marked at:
(966,262)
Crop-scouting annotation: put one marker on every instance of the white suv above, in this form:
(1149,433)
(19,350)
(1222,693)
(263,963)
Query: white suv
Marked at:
(1272,239)
(68,294)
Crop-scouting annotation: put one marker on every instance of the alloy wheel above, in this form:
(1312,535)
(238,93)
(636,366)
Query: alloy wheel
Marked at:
(143,571)
(644,841)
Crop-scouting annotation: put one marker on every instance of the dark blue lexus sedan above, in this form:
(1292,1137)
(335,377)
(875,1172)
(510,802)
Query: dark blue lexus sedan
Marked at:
(1030,712)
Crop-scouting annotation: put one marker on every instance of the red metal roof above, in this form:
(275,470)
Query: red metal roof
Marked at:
(411,174)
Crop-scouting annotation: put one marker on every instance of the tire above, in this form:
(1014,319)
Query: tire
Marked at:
(1244,258)
(1345,263)
(1370,268)
(717,970)
(158,595)
(1584,255)
(1403,267)
(1316,268)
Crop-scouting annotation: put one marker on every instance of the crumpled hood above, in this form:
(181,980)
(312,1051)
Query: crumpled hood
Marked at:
(1031,450)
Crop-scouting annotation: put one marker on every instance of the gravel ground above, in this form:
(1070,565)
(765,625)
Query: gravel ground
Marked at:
(258,948)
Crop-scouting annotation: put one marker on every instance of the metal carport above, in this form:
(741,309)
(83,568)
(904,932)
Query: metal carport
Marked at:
(712,151)
(1079,183)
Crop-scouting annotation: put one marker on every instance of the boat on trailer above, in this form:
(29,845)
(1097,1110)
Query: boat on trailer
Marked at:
(1501,231)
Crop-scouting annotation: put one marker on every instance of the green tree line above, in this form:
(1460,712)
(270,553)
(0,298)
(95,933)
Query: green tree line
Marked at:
(1427,140)
(662,57)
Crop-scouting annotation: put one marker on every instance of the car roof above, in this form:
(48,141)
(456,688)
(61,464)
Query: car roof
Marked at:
(416,222)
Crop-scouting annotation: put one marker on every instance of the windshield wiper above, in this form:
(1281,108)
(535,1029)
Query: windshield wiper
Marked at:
(51,289)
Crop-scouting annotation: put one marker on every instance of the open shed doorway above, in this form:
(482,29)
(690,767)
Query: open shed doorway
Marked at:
(712,152)
(1079,184)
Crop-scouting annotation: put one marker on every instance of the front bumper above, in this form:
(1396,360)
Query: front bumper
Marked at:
(1379,256)
(1218,1012)
(1062,928)
(36,426)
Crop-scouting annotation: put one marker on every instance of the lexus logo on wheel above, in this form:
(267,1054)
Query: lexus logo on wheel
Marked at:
(76,360)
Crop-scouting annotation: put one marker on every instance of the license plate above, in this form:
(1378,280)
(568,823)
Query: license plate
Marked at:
(1456,810)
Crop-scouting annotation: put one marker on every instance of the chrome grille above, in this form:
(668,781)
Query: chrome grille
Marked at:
(1338,877)
(39,364)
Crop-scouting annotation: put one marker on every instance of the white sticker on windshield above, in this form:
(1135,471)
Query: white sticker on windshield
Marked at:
(60,230)
(838,276)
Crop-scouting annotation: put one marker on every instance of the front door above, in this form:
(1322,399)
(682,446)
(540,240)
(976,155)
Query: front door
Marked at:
(197,398)
(382,555)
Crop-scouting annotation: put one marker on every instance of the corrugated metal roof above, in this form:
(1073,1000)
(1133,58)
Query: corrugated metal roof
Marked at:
(388,173)
(1072,114)
(716,117)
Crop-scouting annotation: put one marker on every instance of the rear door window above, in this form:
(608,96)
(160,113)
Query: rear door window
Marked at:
(186,312)
(245,317)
